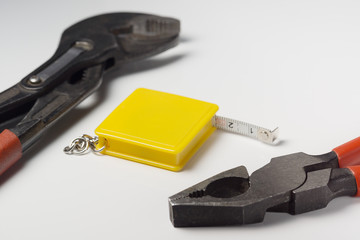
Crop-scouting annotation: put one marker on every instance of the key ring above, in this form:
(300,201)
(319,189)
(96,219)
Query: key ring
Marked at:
(81,145)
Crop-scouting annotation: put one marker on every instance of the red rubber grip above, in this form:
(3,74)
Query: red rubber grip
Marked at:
(348,153)
(10,150)
(356,171)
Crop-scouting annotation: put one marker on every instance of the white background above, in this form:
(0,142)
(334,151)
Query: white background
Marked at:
(292,64)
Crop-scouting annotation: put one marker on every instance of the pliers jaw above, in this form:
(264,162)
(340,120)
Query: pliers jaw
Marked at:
(123,37)
(109,39)
(210,203)
(294,184)
(146,35)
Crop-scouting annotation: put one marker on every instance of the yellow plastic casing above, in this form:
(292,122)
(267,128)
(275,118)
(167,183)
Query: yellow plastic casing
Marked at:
(156,128)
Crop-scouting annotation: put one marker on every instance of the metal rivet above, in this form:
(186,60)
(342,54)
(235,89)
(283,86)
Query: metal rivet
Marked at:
(34,80)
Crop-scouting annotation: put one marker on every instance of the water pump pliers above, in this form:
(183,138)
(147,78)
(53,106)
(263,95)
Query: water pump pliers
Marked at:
(87,50)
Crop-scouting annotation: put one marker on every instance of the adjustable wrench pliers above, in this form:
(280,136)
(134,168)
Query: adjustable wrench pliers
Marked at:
(86,51)
(294,184)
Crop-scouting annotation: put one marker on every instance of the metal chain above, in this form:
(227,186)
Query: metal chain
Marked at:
(81,145)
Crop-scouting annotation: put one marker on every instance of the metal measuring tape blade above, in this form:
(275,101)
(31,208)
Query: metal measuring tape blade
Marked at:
(243,128)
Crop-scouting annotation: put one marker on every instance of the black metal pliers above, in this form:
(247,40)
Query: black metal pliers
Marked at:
(86,51)
(294,184)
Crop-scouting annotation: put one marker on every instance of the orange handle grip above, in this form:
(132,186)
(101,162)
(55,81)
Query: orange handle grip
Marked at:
(348,153)
(10,150)
(356,172)
(348,156)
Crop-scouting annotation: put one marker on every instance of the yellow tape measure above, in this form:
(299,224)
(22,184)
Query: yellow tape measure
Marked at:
(161,129)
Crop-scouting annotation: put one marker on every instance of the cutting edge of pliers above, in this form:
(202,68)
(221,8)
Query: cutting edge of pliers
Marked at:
(294,184)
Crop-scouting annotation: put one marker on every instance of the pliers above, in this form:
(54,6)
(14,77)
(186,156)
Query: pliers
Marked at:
(294,184)
(86,51)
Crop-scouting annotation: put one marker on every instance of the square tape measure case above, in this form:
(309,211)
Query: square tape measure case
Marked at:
(157,128)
